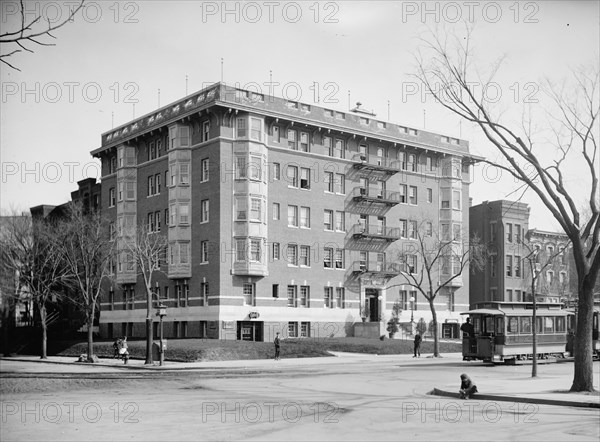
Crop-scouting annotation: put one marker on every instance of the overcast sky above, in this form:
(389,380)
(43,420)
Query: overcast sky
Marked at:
(109,64)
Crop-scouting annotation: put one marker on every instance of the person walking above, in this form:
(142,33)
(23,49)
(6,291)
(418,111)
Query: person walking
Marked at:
(417,345)
(277,343)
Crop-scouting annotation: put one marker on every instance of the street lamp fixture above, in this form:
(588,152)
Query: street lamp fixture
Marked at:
(161,313)
(412,309)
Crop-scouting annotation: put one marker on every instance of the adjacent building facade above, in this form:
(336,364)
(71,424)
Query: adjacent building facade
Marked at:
(280,216)
(514,252)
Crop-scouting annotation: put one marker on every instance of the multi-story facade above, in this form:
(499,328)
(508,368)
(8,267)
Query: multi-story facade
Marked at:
(501,225)
(514,250)
(551,262)
(280,215)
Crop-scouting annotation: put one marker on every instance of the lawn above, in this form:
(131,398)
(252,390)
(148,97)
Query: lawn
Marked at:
(190,350)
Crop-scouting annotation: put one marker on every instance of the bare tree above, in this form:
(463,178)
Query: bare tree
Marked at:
(148,251)
(86,250)
(435,262)
(446,69)
(31,33)
(29,248)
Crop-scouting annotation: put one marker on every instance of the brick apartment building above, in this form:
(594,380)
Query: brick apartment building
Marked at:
(514,248)
(280,215)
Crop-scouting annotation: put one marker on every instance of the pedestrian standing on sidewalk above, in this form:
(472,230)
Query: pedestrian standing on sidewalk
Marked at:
(277,343)
(417,343)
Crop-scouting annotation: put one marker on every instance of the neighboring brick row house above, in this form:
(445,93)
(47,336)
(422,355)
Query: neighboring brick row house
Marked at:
(514,251)
(280,216)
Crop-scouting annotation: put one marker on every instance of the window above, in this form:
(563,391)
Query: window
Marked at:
(204,170)
(305,217)
(275,291)
(304,178)
(292,142)
(304,300)
(254,168)
(292,329)
(429,229)
(328,219)
(130,191)
(184,213)
(276,134)
(328,145)
(166,217)
(340,297)
(293,216)
(339,258)
(240,203)
(275,248)
(292,254)
(255,250)
(340,183)
(241,127)
(412,162)
(204,211)
(412,230)
(204,252)
(184,174)
(328,297)
(151,151)
(305,329)
(240,167)
(456,232)
(292,174)
(517,266)
(412,197)
(363,260)
(518,233)
(150,185)
(111,197)
(509,295)
(548,324)
(328,258)
(508,265)
(561,277)
(509,232)
(493,266)
(403,188)
(380,262)
(411,261)
(492,232)
(445,198)
(303,142)
(276,171)
(340,223)
(550,277)
(292,296)
(184,253)
(112,232)
(276,211)
(429,195)
(205,131)
(339,148)
(329,182)
(431,164)
(248,292)
(305,256)
(402,160)
(445,265)
(204,293)
(240,249)
(256,129)
(113,165)
(255,209)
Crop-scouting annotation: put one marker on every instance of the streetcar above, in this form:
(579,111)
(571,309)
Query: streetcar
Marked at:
(572,324)
(503,331)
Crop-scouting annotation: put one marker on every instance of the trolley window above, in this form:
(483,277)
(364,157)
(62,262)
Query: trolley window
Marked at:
(560,324)
(548,324)
(513,325)
(525,324)
(538,324)
(489,324)
(499,325)
(595,321)
(477,325)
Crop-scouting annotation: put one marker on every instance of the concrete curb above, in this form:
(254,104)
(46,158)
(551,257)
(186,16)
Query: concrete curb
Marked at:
(490,397)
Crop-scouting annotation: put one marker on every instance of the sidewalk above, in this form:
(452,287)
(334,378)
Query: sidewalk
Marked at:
(540,390)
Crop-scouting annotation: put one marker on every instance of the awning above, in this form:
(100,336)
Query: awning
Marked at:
(484,311)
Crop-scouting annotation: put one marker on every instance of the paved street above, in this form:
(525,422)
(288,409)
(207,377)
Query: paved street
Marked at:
(350,397)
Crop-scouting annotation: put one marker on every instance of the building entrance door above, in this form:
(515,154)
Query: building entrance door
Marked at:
(250,330)
(372,297)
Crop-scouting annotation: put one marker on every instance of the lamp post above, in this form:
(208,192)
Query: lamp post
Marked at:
(161,313)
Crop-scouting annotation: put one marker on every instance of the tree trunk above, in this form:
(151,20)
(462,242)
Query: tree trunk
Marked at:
(583,378)
(44,331)
(436,344)
(149,338)
(90,334)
